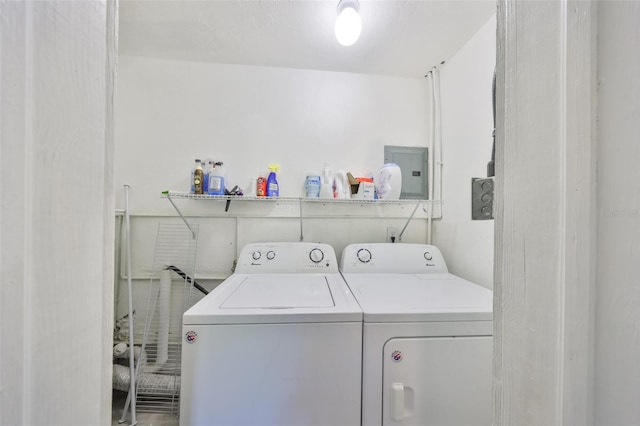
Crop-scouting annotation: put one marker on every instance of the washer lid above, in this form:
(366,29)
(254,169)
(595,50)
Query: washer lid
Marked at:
(420,297)
(276,299)
(280,292)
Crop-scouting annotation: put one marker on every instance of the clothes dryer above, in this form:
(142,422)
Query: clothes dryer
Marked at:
(277,343)
(427,337)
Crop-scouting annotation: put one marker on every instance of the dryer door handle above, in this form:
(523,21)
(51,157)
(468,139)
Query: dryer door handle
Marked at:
(397,401)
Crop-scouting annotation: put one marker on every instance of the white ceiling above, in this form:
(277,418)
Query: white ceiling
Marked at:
(399,37)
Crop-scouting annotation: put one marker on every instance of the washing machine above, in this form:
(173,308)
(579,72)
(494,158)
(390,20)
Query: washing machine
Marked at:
(427,337)
(277,343)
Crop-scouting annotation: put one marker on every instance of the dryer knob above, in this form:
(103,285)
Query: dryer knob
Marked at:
(316,255)
(256,255)
(364,255)
(428,255)
(271,255)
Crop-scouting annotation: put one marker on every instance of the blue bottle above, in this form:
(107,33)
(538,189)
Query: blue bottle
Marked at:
(216,180)
(207,173)
(273,190)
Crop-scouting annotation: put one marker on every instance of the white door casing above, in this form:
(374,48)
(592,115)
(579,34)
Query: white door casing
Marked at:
(545,213)
(57,70)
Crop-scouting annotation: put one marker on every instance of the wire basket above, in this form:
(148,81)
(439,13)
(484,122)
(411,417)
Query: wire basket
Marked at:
(170,295)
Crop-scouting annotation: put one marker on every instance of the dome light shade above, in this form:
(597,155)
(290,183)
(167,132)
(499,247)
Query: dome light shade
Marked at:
(348,23)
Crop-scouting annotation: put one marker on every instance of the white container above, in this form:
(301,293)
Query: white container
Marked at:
(312,186)
(342,187)
(251,191)
(326,183)
(389,182)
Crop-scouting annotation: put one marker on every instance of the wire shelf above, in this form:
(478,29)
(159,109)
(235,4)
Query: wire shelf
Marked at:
(170,295)
(190,196)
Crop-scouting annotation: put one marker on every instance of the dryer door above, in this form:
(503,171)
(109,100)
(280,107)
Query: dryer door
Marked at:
(437,381)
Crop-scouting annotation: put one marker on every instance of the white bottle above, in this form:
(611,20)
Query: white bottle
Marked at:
(326,183)
(251,191)
(389,182)
(342,187)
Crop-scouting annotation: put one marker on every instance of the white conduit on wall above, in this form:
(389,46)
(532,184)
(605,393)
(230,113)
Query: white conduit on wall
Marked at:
(435,138)
(131,399)
(432,137)
(164,306)
(438,139)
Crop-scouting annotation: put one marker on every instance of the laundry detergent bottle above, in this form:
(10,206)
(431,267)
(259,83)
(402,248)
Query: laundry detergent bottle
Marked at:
(326,183)
(273,189)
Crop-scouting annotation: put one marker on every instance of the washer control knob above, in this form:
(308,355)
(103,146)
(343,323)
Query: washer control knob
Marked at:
(256,255)
(316,255)
(364,255)
(428,255)
(271,255)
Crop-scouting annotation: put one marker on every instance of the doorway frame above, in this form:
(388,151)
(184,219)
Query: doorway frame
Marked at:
(545,229)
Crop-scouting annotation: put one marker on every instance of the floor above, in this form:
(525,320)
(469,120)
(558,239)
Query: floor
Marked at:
(142,419)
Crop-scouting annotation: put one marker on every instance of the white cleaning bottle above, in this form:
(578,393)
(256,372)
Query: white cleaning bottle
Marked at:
(389,182)
(326,183)
(342,189)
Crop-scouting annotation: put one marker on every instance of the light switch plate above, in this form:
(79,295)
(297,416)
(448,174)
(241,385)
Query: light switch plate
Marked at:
(481,198)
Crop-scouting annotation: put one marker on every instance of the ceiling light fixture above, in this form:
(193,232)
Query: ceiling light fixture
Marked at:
(348,23)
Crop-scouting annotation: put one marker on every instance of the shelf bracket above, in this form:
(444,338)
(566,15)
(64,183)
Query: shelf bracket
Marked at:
(408,220)
(193,234)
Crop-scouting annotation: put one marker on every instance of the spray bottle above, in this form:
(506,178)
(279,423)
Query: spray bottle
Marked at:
(273,189)
(207,172)
(216,180)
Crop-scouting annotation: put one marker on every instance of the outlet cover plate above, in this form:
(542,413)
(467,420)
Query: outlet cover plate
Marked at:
(392,232)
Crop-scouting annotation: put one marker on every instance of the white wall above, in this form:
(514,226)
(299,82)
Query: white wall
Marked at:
(467,125)
(56,216)
(170,112)
(617,388)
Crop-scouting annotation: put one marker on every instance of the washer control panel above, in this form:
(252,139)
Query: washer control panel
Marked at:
(287,258)
(392,258)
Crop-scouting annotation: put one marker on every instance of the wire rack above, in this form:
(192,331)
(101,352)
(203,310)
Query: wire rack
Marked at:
(170,295)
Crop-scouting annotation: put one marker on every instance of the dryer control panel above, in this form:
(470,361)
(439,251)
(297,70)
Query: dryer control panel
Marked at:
(287,258)
(392,258)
